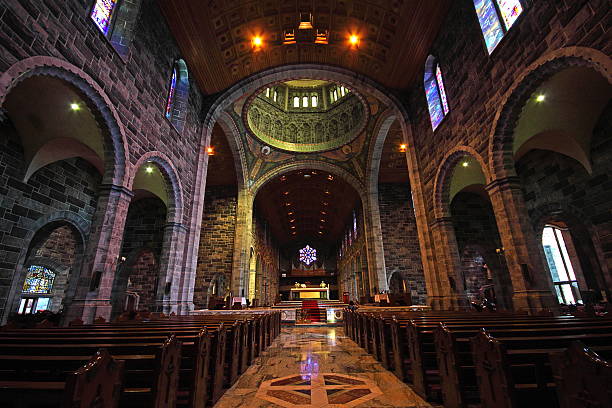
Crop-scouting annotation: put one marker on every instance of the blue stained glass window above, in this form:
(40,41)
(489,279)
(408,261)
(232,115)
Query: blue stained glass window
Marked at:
(308,255)
(171,93)
(489,23)
(102,13)
(440,82)
(38,280)
(433,102)
(510,10)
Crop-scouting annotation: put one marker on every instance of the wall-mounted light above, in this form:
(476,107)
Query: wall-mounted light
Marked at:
(403,148)
(465,164)
(149,169)
(540,98)
(75,107)
(353,41)
(210,150)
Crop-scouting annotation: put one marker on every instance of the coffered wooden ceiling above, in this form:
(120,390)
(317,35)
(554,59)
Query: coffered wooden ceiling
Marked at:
(215,36)
(307,205)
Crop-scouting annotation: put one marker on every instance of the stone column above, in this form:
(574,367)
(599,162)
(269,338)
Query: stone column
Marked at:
(377,275)
(170,271)
(451,296)
(530,277)
(242,244)
(101,253)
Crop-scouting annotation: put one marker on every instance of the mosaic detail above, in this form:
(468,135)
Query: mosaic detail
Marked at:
(318,390)
(38,280)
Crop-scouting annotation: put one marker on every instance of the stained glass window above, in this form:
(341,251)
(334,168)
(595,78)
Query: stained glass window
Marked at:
(38,280)
(355,224)
(433,102)
(102,13)
(440,83)
(171,93)
(489,23)
(308,255)
(510,10)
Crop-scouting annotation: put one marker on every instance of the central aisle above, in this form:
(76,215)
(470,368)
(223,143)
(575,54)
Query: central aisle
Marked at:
(318,367)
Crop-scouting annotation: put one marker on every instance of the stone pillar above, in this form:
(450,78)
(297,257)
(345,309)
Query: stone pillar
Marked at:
(451,295)
(170,272)
(242,244)
(102,250)
(532,287)
(377,275)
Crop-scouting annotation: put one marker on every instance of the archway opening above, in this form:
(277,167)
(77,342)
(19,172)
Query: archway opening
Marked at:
(311,225)
(218,229)
(563,132)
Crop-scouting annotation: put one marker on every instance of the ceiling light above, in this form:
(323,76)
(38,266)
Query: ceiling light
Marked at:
(257,43)
(305,21)
(323,212)
(354,40)
(293,220)
(540,98)
(306,175)
(403,148)
(320,232)
(330,177)
(465,164)
(293,227)
(322,220)
(149,169)
(210,150)
(75,106)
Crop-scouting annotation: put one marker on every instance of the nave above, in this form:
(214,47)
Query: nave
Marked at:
(318,367)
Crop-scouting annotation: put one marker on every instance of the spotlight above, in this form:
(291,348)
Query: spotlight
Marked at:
(353,40)
(257,43)
(540,98)
(149,169)
(465,164)
(75,106)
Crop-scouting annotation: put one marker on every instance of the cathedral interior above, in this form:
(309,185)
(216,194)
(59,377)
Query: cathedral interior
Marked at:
(320,201)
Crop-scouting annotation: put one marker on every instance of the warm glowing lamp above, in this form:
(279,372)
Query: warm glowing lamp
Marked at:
(257,43)
(403,148)
(75,106)
(540,98)
(465,164)
(354,40)
(149,169)
(210,150)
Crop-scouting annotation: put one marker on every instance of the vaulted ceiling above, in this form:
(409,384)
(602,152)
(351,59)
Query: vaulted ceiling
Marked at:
(215,36)
(307,205)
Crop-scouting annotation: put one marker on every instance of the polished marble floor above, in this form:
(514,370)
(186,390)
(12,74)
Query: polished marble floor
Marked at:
(318,367)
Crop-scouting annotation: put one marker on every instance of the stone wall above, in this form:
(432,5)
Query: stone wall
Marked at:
(266,250)
(67,186)
(136,81)
(216,240)
(400,238)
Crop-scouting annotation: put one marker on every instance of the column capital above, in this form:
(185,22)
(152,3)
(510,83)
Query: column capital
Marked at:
(441,222)
(113,188)
(511,182)
(175,226)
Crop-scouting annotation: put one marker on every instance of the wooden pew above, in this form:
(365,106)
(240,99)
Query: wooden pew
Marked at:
(583,378)
(516,372)
(97,383)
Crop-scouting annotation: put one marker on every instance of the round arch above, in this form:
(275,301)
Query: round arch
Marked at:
(444,174)
(501,138)
(170,175)
(115,143)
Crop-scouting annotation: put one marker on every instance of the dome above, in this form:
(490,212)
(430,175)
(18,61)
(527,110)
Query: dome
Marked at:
(305,115)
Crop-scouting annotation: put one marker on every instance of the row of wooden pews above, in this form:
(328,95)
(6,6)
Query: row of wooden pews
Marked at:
(498,360)
(157,362)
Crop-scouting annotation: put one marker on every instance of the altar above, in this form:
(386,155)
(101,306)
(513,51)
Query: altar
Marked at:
(309,293)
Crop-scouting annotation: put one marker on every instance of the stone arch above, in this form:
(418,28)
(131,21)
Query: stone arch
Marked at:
(173,182)
(115,143)
(444,175)
(42,225)
(501,160)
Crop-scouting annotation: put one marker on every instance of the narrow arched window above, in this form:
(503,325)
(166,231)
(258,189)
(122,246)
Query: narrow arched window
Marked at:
(117,21)
(178,95)
(171,93)
(296,101)
(305,101)
(437,102)
(555,241)
(314,101)
(491,13)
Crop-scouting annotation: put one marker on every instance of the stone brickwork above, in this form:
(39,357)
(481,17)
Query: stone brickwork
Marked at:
(400,238)
(558,188)
(133,70)
(266,250)
(66,186)
(60,245)
(216,239)
(143,278)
